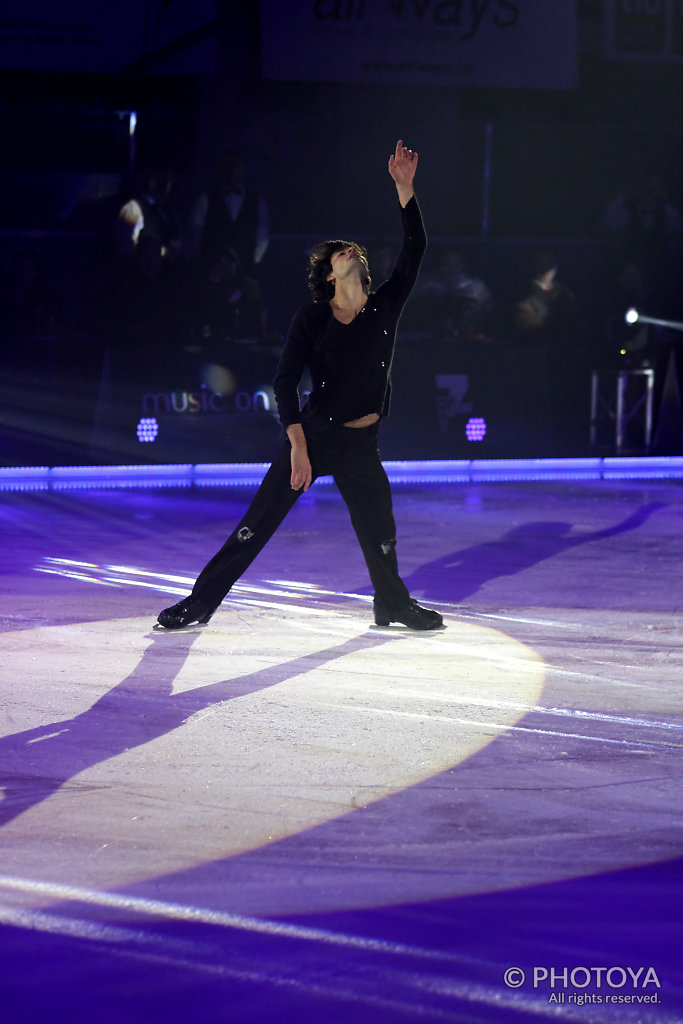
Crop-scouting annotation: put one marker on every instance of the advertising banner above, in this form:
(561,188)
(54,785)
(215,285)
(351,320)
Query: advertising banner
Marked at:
(644,30)
(529,44)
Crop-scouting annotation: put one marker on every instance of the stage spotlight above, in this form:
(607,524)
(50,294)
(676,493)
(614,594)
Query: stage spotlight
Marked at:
(147,429)
(475,428)
(633,316)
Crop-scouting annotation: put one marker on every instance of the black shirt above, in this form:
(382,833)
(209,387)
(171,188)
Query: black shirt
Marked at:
(350,363)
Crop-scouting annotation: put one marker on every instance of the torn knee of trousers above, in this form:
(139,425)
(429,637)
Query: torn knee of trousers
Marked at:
(244,534)
(388,546)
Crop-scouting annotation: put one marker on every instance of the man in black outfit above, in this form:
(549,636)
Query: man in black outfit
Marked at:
(346,339)
(231,215)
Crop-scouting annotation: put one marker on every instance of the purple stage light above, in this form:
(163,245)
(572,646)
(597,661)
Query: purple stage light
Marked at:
(147,429)
(475,428)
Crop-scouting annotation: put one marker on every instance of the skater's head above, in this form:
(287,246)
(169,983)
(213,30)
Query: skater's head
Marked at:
(336,259)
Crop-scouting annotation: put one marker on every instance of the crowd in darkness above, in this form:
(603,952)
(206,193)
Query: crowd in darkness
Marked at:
(183,292)
(192,283)
(136,291)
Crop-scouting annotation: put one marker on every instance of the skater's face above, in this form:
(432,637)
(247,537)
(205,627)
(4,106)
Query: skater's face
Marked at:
(337,260)
(346,263)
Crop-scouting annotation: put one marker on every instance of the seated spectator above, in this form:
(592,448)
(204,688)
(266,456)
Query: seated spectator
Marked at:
(546,316)
(626,341)
(645,220)
(149,216)
(452,301)
(224,305)
(643,211)
(232,215)
(546,311)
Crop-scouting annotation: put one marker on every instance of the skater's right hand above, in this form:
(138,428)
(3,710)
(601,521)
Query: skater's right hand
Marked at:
(301,470)
(302,474)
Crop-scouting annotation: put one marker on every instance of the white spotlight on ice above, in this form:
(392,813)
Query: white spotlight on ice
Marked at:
(632,316)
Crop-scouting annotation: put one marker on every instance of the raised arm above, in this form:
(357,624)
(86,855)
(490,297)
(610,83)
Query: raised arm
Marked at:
(402,167)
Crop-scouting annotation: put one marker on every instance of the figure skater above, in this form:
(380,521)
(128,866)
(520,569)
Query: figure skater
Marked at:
(345,338)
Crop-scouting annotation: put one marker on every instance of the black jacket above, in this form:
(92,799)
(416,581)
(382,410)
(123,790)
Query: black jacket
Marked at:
(350,364)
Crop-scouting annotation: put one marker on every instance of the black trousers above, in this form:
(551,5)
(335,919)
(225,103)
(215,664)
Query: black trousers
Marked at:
(348,454)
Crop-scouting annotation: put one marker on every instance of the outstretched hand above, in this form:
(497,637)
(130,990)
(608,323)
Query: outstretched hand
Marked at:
(402,167)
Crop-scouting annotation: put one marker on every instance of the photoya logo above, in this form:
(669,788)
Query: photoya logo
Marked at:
(466,15)
(582,977)
(205,402)
(608,985)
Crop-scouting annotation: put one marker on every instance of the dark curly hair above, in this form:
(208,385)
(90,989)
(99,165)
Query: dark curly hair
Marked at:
(320,265)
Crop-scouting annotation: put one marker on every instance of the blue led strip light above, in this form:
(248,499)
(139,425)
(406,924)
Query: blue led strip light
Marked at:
(416,472)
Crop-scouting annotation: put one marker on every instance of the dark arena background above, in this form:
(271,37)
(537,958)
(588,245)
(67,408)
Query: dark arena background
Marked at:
(554,135)
(292,814)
